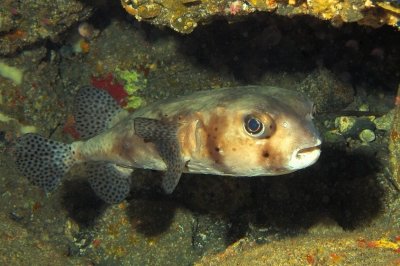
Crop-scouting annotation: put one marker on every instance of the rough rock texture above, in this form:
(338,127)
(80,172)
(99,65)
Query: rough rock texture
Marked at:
(336,248)
(341,211)
(394,143)
(184,15)
(327,91)
(25,23)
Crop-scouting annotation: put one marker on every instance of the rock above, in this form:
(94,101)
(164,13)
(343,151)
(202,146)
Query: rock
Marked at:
(31,22)
(327,91)
(394,142)
(384,122)
(333,137)
(202,12)
(367,135)
(351,126)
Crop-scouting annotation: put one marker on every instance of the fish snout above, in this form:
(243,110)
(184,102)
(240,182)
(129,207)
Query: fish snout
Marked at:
(305,156)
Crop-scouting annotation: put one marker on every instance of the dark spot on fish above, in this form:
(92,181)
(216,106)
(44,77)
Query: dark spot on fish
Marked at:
(213,143)
(265,154)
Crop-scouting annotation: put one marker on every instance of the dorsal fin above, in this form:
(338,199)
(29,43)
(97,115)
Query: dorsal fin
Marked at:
(95,111)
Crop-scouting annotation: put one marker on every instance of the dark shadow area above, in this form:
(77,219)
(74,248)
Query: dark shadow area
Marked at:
(152,217)
(341,186)
(263,43)
(106,11)
(151,211)
(82,204)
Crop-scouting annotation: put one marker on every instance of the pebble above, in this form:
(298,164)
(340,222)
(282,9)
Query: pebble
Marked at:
(367,135)
(351,126)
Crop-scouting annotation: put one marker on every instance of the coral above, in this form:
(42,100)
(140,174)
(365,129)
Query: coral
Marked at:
(184,15)
(123,86)
(114,88)
(133,82)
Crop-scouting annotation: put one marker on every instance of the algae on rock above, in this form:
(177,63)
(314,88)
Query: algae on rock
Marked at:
(394,142)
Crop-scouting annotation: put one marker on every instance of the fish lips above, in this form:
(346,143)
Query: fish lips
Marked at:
(305,156)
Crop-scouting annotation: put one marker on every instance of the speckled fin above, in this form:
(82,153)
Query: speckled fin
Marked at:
(95,111)
(43,161)
(109,181)
(164,136)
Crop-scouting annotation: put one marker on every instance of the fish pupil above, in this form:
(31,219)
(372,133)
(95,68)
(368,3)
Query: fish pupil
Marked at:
(253,125)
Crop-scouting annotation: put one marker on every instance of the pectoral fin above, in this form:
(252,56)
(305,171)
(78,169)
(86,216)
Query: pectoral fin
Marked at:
(170,152)
(164,136)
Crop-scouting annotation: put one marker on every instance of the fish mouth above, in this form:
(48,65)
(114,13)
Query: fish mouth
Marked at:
(304,157)
(306,151)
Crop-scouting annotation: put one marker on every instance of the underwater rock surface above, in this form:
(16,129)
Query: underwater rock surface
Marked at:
(344,210)
(29,22)
(185,15)
(394,142)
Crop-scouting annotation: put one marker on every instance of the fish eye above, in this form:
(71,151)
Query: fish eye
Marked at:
(253,125)
(256,128)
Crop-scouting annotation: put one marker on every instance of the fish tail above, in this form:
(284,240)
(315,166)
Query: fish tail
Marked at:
(43,161)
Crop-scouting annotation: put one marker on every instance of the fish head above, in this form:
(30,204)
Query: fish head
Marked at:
(264,134)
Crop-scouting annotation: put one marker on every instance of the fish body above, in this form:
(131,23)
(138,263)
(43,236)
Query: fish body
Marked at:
(242,131)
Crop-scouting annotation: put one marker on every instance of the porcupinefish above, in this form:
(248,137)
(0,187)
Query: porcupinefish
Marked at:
(241,131)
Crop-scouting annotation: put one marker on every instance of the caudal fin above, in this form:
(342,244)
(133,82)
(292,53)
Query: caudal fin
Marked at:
(43,161)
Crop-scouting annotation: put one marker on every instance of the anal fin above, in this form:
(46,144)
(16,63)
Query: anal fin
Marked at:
(109,181)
